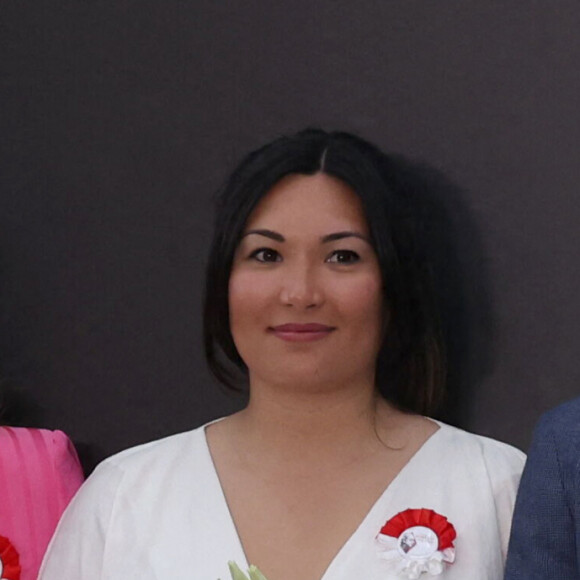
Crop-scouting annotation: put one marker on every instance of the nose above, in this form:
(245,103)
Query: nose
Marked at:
(301,288)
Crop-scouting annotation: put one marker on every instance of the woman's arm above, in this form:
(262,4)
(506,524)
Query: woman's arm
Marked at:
(77,549)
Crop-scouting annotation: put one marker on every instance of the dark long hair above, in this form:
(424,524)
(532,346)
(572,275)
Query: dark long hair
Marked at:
(411,362)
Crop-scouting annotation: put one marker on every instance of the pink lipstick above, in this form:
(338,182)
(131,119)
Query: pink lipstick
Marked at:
(294,332)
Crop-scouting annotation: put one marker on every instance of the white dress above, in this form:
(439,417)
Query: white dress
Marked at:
(157,512)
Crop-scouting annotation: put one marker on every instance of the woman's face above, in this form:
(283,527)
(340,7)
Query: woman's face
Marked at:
(305,291)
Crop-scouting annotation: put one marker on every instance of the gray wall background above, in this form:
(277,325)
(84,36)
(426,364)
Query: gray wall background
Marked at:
(118,121)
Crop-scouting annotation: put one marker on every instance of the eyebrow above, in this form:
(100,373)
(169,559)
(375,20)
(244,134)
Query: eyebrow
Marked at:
(325,239)
(345,234)
(266,233)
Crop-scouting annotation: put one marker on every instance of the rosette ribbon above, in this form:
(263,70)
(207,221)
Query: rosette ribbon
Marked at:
(415,542)
(9,561)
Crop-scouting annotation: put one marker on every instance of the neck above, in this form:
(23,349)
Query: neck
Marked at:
(300,425)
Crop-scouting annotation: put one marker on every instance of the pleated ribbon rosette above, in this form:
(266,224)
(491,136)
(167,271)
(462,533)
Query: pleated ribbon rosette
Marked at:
(9,561)
(416,542)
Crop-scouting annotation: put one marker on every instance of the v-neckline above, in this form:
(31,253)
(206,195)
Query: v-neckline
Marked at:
(377,505)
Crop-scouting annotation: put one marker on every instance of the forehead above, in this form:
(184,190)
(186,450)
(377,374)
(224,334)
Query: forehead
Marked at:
(302,201)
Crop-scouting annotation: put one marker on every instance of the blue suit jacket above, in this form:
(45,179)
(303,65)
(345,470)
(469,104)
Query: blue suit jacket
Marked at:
(545,538)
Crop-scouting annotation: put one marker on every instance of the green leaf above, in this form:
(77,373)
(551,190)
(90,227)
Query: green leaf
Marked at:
(255,574)
(236,573)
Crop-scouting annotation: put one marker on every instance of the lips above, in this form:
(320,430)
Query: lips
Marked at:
(294,332)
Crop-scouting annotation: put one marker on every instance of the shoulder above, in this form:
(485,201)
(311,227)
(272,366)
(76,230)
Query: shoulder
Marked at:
(556,441)
(29,439)
(482,445)
(155,456)
(49,452)
(562,422)
(141,473)
(501,460)
(156,467)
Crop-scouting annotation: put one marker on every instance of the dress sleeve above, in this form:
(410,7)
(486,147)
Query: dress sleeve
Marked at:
(542,545)
(78,547)
(505,465)
(66,465)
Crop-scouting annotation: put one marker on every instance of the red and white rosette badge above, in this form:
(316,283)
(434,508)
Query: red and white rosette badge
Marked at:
(417,541)
(9,561)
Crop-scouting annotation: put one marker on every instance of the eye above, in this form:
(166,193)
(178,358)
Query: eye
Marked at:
(343,257)
(265,255)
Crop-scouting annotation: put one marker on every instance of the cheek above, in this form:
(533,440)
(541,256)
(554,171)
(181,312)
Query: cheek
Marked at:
(247,300)
(363,301)
(246,297)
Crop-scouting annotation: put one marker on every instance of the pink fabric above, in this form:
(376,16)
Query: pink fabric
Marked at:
(39,474)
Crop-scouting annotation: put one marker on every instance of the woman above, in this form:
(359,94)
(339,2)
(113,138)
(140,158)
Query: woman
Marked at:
(318,295)
(39,474)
